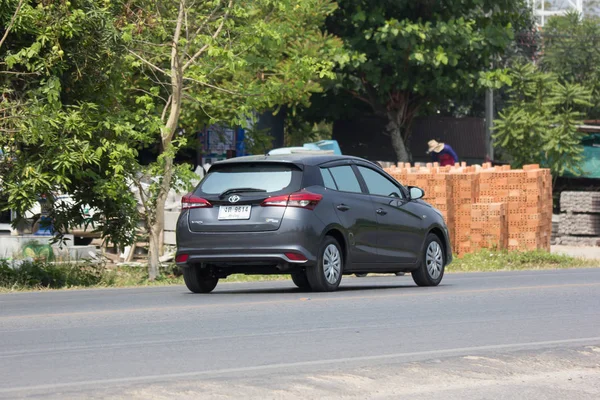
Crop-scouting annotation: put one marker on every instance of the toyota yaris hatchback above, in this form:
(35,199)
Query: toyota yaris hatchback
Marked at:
(315,217)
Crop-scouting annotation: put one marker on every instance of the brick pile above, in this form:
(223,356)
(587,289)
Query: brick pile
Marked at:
(488,226)
(487,207)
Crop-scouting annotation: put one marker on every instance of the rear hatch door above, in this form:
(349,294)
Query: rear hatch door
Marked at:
(236,192)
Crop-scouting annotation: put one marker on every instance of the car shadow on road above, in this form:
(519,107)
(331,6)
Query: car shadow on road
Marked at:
(292,290)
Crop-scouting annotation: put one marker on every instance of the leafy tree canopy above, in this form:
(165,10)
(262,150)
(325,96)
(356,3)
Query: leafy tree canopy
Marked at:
(572,52)
(406,55)
(59,64)
(539,125)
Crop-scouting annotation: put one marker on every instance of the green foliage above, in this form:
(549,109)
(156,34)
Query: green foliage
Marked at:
(539,125)
(266,54)
(572,52)
(407,55)
(299,131)
(60,87)
(258,141)
(40,274)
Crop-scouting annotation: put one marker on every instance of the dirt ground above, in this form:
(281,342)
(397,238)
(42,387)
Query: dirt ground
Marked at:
(592,253)
(544,374)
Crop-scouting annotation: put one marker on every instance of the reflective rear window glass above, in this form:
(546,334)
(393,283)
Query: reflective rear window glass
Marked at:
(268,177)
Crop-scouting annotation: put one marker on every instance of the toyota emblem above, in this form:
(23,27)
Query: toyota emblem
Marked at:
(234,199)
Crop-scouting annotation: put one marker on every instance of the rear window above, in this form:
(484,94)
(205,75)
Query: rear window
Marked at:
(268,177)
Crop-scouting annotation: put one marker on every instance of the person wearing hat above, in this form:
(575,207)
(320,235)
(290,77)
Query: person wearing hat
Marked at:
(442,153)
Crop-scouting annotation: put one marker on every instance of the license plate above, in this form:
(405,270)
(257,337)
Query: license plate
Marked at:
(234,212)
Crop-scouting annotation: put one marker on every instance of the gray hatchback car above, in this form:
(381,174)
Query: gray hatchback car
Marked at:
(315,217)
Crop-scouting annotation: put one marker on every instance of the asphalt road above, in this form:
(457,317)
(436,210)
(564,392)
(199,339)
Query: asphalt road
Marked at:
(164,341)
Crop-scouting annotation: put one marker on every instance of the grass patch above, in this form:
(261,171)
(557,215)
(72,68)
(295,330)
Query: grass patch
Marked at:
(483,261)
(41,275)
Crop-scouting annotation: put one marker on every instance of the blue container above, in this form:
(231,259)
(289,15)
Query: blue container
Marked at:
(329,145)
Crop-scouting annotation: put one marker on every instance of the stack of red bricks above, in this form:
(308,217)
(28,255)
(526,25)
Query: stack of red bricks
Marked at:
(488,227)
(485,206)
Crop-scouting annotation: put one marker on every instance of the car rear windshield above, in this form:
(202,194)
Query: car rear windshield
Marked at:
(268,177)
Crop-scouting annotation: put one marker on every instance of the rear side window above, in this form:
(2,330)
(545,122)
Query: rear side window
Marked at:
(268,177)
(328,179)
(345,179)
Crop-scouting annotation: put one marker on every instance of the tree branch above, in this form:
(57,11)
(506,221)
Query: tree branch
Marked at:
(164,113)
(148,93)
(200,104)
(12,22)
(214,36)
(176,36)
(142,195)
(207,19)
(359,97)
(187,78)
(142,59)
(19,73)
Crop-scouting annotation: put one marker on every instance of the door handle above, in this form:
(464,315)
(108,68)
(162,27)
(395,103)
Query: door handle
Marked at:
(342,207)
(381,211)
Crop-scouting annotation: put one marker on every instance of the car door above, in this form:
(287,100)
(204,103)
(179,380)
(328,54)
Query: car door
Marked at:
(354,210)
(400,232)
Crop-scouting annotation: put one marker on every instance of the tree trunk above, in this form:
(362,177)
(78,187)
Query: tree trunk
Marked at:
(168,154)
(400,111)
(153,253)
(158,219)
(395,132)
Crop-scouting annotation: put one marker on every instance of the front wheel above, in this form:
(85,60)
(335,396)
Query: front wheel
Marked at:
(197,280)
(431,269)
(327,274)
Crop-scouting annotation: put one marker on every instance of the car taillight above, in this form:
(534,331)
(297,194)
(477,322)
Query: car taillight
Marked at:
(181,258)
(299,199)
(190,201)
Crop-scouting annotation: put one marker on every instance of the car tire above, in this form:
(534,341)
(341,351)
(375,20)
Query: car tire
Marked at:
(197,280)
(300,280)
(326,275)
(431,268)
(362,275)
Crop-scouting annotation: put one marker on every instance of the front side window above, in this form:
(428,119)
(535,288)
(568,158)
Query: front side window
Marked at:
(378,184)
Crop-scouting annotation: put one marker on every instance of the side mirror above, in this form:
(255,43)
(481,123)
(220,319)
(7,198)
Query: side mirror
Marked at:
(415,192)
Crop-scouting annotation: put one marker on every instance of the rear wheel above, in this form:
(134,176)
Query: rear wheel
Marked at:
(300,280)
(431,270)
(327,274)
(197,280)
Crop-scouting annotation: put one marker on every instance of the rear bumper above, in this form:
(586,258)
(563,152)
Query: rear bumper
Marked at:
(299,233)
(244,258)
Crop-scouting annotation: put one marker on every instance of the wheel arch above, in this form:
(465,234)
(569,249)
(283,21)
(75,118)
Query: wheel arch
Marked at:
(337,233)
(439,232)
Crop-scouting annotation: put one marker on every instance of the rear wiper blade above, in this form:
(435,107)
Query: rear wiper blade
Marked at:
(240,190)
